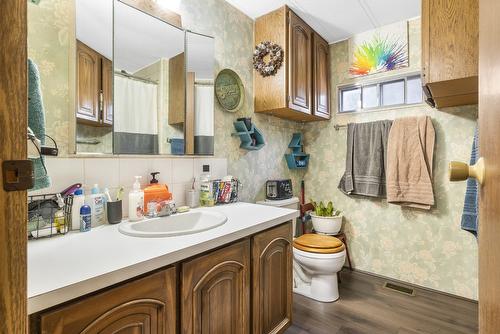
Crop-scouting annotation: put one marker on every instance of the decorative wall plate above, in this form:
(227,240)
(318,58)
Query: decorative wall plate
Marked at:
(229,90)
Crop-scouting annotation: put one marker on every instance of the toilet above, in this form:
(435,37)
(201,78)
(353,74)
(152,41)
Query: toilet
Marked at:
(317,259)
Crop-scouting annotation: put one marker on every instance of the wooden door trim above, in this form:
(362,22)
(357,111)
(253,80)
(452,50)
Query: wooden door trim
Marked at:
(489,211)
(13,205)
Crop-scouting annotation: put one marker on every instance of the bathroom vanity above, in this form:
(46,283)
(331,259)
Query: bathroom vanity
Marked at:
(235,278)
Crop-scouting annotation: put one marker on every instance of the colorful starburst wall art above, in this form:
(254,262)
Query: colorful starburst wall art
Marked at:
(379,50)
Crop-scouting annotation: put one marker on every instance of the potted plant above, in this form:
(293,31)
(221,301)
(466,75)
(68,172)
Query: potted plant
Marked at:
(326,219)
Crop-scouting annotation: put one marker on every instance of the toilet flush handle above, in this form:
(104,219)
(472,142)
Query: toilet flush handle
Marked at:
(460,171)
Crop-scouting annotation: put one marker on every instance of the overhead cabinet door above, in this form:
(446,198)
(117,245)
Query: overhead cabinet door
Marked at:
(300,64)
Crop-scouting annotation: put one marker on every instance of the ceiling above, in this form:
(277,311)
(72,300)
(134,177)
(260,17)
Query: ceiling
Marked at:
(337,20)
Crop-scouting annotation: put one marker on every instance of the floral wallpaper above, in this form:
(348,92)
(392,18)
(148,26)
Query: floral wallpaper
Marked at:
(234,44)
(424,248)
(50,29)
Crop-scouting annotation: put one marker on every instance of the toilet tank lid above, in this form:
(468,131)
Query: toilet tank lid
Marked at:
(283,202)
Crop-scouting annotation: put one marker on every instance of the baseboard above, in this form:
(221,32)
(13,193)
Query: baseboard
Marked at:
(411,285)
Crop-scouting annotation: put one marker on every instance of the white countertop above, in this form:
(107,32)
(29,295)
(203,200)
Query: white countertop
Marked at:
(70,266)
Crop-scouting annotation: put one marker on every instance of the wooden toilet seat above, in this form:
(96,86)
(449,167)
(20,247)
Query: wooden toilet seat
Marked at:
(317,243)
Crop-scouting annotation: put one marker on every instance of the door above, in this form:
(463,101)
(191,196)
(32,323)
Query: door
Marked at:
(107,90)
(215,292)
(272,280)
(489,127)
(143,306)
(300,66)
(13,205)
(321,77)
(87,78)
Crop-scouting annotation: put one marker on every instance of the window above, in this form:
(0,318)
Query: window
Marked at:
(385,93)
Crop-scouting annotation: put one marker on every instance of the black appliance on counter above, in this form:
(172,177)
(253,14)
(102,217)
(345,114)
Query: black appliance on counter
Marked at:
(279,189)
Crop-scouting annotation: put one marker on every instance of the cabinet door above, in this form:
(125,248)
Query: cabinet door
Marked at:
(300,79)
(272,280)
(107,90)
(215,292)
(87,78)
(321,77)
(143,306)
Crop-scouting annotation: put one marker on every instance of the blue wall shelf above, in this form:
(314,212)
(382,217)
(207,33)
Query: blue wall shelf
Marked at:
(250,139)
(297,159)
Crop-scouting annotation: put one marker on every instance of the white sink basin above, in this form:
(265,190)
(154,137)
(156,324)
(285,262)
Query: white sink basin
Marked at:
(177,224)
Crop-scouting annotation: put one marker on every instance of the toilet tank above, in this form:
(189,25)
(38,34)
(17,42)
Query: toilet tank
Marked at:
(291,203)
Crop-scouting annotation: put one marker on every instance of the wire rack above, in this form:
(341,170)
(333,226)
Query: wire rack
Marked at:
(226,191)
(46,217)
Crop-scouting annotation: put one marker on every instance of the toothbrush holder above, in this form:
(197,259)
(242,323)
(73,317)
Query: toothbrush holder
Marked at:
(114,210)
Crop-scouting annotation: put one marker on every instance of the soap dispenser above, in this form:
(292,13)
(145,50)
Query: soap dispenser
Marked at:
(136,201)
(155,193)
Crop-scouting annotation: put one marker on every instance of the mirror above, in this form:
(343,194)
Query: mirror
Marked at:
(200,68)
(94,76)
(149,85)
(118,80)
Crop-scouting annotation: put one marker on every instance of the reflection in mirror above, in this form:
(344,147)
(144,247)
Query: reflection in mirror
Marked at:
(94,76)
(199,129)
(148,83)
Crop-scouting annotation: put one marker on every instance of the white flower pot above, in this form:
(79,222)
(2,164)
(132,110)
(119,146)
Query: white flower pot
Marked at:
(326,225)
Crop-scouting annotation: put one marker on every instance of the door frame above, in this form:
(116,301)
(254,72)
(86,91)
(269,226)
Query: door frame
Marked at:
(489,210)
(13,205)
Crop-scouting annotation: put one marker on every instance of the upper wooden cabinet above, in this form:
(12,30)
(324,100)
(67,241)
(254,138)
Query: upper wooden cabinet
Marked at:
(321,76)
(94,77)
(272,280)
(300,64)
(88,67)
(146,305)
(176,90)
(450,52)
(299,90)
(216,292)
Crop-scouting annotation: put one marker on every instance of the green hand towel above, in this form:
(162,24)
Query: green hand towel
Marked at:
(36,121)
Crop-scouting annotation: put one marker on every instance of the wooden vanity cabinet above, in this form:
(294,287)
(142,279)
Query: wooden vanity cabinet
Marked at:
(299,89)
(215,296)
(94,77)
(450,52)
(272,280)
(143,306)
(241,288)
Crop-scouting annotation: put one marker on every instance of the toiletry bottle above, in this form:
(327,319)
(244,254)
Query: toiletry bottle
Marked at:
(155,193)
(78,202)
(206,195)
(85,218)
(97,204)
(136,201)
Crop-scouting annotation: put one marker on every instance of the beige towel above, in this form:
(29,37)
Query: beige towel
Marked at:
(409,162)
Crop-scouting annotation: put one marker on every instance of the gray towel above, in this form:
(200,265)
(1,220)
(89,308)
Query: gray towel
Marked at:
(366,159)
(36,122)
(470,213)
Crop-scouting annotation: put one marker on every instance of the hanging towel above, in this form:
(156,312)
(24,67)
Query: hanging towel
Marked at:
(471,203)
(409,162)
(366,159)
(36,122)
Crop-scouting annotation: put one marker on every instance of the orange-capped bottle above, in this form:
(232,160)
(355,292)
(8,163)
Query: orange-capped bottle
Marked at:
(155,192)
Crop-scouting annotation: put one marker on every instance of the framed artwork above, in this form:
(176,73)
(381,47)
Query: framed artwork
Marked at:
(379,50)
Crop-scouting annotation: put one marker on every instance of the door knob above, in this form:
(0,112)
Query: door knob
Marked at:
(460,171)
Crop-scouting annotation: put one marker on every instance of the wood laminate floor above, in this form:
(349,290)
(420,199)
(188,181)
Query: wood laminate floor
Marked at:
(366,307)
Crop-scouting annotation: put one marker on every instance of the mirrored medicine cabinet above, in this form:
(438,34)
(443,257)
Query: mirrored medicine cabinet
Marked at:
(120,78)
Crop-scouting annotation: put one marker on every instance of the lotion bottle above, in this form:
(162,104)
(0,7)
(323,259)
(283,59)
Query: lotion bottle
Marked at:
(136,201)
(78,202)
(96,202)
